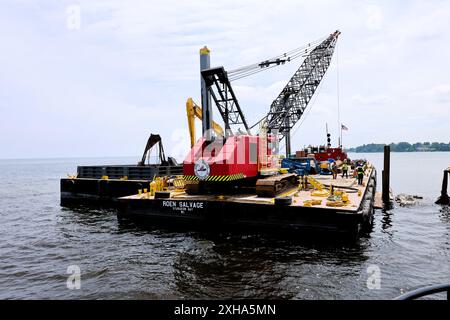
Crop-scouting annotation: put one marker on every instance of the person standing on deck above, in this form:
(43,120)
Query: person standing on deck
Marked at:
(334,170)
(345,169)
(360,171)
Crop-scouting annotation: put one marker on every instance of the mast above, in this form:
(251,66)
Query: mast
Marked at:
(205,63)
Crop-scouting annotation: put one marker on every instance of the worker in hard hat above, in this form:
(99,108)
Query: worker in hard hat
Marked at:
(334,170)
(345,169)
(360,171)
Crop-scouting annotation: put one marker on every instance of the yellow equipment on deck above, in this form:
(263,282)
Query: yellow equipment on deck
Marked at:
(157,185)
(316,184)
(193,110)
(179,183)
(311,203)
(320,193)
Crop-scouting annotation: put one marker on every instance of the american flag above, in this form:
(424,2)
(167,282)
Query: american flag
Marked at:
(344,128)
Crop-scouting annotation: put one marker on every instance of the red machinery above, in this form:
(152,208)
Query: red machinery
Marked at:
(241,159)
(218,161)
(324,154)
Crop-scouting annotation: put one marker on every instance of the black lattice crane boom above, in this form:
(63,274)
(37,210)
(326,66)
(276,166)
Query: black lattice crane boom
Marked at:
(289,106)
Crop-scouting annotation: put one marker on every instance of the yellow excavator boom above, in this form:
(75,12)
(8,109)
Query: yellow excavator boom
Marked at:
(193,111)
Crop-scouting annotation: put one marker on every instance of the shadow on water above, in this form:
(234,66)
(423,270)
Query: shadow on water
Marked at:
(445,214)
(238,265)
(241,237)
(386,221)
(74,221)
(254,267)
(86,215)
(200,264)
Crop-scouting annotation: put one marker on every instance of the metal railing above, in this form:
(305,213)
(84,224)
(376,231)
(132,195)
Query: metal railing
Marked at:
(426,291)
(131,171)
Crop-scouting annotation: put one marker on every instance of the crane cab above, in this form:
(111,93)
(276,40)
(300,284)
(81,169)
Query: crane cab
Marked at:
(223,160)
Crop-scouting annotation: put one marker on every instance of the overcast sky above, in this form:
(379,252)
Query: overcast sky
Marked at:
(100,85)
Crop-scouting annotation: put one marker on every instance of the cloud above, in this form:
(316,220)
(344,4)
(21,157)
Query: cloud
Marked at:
(377,99)
(374,17)
(437,98)
(441,89)
(128,69)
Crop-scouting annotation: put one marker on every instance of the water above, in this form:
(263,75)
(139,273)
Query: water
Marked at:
(39,240)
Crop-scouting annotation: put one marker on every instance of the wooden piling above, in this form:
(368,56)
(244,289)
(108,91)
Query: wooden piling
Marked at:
(386,175)
(444,199)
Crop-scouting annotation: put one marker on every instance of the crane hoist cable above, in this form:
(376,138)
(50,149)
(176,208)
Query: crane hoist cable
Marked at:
(287,56)
(273,62)
(338,91)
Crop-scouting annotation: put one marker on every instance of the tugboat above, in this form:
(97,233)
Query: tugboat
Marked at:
(324,153)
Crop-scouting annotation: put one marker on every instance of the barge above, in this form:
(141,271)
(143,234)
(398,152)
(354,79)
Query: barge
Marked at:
(287,214)
(233,179)
(103,185)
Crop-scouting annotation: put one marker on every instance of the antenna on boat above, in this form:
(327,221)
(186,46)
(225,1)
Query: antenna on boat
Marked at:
(338,97)
(328,138)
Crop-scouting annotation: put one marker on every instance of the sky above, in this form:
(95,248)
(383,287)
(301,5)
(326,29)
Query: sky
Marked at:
(94,78)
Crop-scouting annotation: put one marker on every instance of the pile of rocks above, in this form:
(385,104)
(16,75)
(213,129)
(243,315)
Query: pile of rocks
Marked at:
(407,200)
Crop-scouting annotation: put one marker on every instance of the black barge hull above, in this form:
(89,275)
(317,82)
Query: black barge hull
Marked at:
(208,214)
(91,188)
(98,192)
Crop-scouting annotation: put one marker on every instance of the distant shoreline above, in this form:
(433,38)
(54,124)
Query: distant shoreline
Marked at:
(428,151)
(402,147)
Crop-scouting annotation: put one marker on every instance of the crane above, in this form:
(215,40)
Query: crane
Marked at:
(287,109)
(240,159)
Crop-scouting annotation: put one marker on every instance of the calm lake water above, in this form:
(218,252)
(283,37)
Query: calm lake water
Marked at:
(39,240)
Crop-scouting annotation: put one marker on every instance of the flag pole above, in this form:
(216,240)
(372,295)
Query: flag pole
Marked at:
(339,140)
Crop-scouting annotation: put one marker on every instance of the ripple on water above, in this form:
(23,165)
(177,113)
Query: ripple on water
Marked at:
(39,240)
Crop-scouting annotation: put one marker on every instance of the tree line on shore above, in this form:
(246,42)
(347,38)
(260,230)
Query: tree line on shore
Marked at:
(403,147)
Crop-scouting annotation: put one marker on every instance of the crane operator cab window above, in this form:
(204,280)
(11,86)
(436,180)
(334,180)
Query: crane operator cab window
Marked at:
(253,146)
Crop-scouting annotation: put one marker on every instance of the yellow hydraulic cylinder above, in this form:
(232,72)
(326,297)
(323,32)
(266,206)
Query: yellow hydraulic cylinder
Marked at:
(194,111)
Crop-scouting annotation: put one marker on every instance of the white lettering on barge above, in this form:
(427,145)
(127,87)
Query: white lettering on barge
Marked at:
(183,206)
